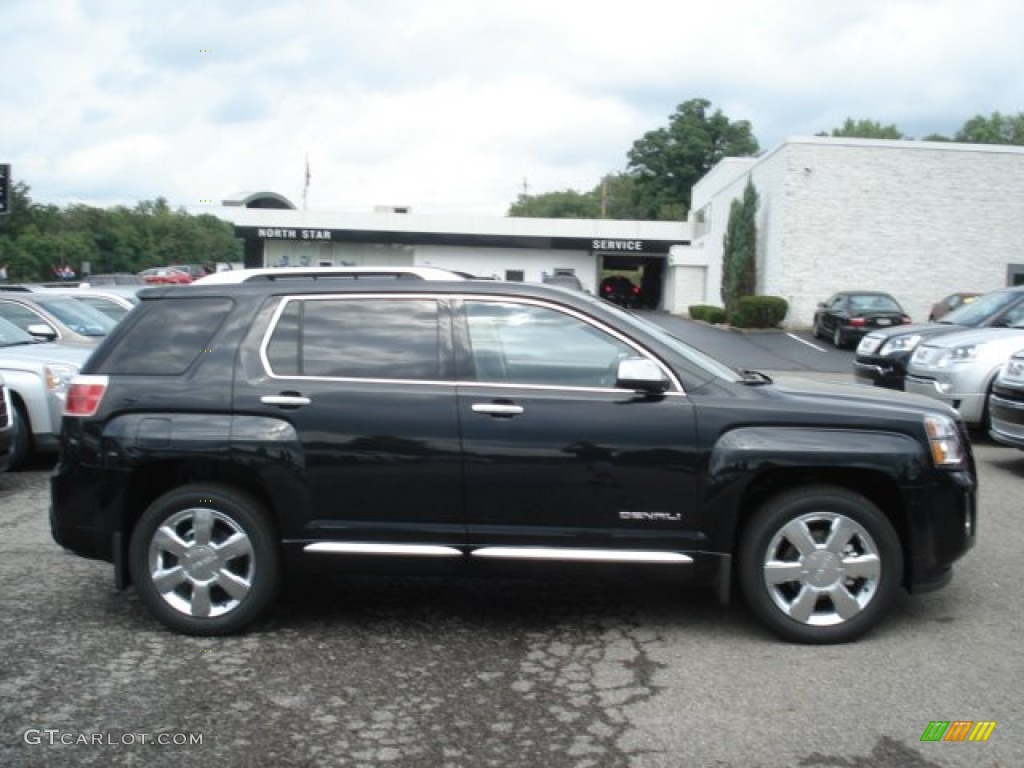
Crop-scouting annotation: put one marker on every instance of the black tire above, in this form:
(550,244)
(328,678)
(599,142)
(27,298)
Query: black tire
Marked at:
(836,593)
(231,583)
(837,337)
(817,331)
(21,444)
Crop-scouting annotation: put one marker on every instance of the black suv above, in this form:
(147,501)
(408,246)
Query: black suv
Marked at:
(224,434)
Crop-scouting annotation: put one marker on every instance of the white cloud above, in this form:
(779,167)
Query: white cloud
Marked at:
(449,105)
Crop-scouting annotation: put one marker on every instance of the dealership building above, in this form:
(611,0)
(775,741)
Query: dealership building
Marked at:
(916,219)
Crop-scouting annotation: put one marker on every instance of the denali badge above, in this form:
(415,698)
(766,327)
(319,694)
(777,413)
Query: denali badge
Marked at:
(665,517)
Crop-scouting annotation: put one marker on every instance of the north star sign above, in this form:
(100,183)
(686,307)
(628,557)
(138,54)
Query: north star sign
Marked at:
(273,233)
(618,245)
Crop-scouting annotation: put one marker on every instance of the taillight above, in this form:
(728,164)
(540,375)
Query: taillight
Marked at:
(607,289)
(857,321)
(636,291)
(84,395)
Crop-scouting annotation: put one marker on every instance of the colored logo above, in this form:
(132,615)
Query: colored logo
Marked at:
(958,730)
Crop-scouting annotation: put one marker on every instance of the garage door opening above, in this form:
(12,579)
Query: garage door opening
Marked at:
(645,276)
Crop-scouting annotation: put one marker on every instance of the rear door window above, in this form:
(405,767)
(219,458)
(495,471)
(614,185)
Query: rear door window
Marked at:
(364,338)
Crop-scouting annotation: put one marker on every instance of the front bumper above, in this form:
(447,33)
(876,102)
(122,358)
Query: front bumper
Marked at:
(971,405)
(878,372)
(1006,420)
(943,525)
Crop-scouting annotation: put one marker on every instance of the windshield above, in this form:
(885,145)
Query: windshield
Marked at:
(78,317)
(982,308)
(874,303)
(10,334)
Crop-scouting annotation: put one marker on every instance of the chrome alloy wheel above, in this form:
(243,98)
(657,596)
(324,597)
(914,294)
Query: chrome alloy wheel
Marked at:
(201,562)
(822,569)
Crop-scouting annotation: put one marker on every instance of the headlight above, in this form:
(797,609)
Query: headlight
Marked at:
(900,344)
(1013,370)
(964,354)
(58,378)
(944,440)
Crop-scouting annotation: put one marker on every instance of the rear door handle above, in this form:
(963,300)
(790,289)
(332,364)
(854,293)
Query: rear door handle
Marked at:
(285,401)
(498,409)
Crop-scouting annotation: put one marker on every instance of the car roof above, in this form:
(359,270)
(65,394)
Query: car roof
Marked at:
(384,285)
(123,298)
(864,293)
(266,274)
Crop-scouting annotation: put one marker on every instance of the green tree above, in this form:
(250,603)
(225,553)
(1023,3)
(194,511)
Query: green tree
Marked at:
(740,248)
(667,162)
(613,198)
(865,129)
(568,204)
(995,129)
(36,238)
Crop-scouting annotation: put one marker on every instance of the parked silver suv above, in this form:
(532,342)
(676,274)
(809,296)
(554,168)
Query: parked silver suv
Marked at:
(959,368)
(37,375)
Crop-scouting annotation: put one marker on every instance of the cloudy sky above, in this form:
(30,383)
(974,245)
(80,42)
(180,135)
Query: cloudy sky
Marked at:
(458,106)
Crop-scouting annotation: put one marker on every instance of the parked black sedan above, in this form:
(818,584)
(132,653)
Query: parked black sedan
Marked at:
(848,315)
(883,354)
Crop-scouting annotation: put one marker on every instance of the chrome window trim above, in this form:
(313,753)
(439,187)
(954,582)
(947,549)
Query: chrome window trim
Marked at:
(676,387)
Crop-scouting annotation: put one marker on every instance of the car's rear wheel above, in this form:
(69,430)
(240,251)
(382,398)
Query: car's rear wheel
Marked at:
(204,559)
(820,565)
(837,337)
(819,333)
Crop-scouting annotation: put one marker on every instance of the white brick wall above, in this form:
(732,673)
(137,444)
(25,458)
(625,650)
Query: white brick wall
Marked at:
(917,219)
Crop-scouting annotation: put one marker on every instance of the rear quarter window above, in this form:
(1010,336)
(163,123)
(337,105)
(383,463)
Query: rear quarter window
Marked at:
(166,338)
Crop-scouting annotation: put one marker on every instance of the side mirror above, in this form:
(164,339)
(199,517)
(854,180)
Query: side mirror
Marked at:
(641,374)
(42,331)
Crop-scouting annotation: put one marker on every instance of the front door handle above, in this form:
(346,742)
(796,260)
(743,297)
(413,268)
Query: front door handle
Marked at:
(286,400)
(498,409)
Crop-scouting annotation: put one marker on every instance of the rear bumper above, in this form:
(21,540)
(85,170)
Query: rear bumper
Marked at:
(77,520)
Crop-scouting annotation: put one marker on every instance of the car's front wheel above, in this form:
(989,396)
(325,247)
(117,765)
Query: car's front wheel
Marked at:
(205,560)
(21,442)
(820,565)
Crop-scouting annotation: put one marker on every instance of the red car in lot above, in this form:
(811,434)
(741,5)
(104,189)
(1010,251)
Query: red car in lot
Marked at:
(165,276)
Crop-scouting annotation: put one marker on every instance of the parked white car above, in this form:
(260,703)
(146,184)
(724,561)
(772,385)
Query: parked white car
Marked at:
(37,375)
(959,368)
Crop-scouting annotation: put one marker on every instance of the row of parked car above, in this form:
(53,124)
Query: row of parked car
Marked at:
(46,335)
(971,356)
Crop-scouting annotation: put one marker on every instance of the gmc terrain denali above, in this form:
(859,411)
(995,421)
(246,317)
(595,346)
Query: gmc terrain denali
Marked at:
(223,434)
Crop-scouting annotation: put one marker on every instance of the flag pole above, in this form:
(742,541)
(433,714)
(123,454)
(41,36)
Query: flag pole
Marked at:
(305,188)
